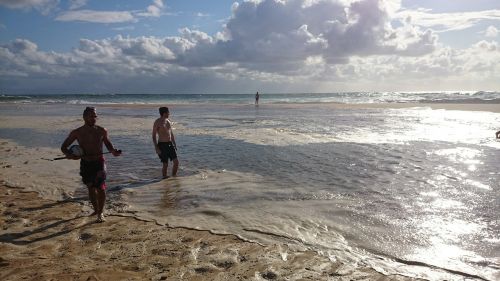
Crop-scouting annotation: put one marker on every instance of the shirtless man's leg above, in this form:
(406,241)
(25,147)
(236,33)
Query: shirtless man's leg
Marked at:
(92,198)
(164,169)
(101,199)
(176,166)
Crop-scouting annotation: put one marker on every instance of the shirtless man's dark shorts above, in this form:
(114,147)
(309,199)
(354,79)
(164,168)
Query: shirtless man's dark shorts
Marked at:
(94,172)
(167,151)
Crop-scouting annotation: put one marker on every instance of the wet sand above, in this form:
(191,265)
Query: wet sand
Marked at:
(47,234)
(55,240)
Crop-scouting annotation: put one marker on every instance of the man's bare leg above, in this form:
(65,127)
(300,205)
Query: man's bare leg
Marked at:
(92,198)
(101,199)
(176,166)
(164,170)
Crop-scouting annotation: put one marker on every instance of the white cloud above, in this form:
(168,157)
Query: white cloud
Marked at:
(472,68)
(96,16)
(282,44)
(44,6)
(123,28)
(76,4)
(153,10)
(108,56)
(441,22)
(152,63)
(491,32)
(265,33)
(158,3)
(24,59)
(75,14)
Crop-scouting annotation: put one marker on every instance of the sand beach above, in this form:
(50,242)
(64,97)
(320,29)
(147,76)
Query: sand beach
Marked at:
(56,240)
(46,233)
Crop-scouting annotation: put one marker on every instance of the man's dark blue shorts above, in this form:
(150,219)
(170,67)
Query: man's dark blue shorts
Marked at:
(167,151)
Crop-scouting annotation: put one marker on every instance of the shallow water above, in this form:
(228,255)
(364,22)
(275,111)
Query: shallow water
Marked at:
(417,185)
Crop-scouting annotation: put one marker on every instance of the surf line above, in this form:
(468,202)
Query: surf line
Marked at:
(419,263)
(403,261)
(274,234)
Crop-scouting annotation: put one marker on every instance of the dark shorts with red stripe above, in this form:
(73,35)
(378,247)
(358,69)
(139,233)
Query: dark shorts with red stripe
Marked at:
(93,173)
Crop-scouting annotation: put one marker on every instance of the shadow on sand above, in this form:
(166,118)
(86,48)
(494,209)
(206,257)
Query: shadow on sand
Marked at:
(17,238)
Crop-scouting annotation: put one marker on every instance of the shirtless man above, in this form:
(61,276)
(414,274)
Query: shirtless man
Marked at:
(90,137)
(165,146)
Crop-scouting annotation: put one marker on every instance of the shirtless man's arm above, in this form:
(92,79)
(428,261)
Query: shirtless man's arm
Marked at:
(109,145)
(173,139)
(155,142)
(69,140)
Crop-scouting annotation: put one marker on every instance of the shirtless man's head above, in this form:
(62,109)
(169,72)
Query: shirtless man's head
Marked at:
(90,116)
(163,110)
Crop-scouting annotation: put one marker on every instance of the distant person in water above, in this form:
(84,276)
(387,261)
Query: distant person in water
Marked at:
(498,134)
(90,138)
(165,146)
(257,98)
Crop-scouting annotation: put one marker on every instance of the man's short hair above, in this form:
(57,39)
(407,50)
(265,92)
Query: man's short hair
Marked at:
(88,110)
(163,109)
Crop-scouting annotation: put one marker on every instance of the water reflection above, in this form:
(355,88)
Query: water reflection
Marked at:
(170,198)
(461,155)
(446,230)
(446,240)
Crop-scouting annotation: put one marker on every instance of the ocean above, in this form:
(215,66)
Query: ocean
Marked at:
(411,190)
(342,97)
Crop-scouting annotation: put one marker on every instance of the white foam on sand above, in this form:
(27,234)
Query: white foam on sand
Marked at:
(195,202)
(28,168)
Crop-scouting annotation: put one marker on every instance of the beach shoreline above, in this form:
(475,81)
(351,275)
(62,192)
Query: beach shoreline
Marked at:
(334,105)
(487,107)
(46,239)
(44,215)
(47,234)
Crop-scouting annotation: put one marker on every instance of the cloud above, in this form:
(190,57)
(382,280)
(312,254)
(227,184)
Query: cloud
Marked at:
(23,58)
(43,6)
(281,44)
(441,22)
(125,65)
(118,55)
(123,28)
(76,4)
(491,32)
(150,64)
(153,10)
(471,68)
(96,16)
(76,14)
(270,32)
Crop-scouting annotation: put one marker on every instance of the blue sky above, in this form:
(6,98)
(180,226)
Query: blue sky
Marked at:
(53,34)
(162,46)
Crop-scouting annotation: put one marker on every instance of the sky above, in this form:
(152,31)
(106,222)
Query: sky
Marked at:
(224,47)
